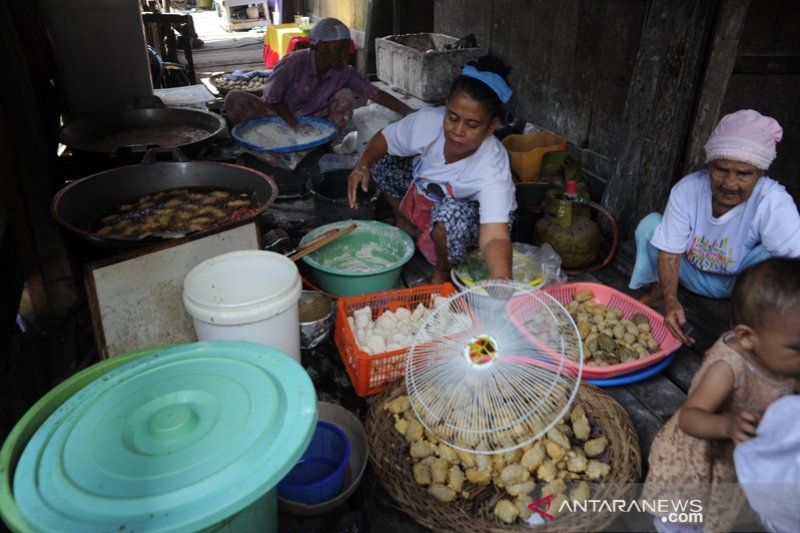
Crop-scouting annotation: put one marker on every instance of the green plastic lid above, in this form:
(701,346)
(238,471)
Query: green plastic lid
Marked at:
(177,440)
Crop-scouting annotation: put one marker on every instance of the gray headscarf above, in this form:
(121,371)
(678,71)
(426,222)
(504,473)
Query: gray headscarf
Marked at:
(329,29)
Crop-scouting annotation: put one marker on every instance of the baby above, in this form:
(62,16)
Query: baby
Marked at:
(747,369)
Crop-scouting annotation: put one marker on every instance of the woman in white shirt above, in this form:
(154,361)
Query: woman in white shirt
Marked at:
(445,174)
(717,221)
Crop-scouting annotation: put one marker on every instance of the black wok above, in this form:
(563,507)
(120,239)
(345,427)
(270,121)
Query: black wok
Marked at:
(127,134)
(79,205)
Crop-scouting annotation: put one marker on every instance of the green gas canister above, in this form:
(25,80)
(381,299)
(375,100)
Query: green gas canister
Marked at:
(567,226)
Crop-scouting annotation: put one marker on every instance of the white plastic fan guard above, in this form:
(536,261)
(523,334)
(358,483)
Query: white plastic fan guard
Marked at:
(482,384)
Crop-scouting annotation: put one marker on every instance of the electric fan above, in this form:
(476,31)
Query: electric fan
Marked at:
(486,373)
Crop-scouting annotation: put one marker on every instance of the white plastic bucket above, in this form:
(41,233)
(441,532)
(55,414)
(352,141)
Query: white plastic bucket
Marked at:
(248,295)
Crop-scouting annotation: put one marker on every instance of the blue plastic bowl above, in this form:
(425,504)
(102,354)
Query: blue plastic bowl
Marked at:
(319,475)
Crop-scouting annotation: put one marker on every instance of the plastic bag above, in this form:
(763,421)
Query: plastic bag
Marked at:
(369,120)
(551,266)
(532,265)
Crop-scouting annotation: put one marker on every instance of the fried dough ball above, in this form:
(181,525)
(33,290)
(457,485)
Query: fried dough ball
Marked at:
(595,447)
(581,492)
(401,425)
(532,458)
(414,431)
(555,451)
(547,470)
(439,471)
(422,474)
(514,474)
(526,487)
(398,405)
(455,478)
(478,477)
(597,470)
(505,511)
(580,423)
(557,436)
(447,453)
(576,460)
(421,449)
(522,501)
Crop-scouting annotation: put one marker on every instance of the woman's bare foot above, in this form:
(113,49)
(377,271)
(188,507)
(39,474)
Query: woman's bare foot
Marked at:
(438,277)
(652,297)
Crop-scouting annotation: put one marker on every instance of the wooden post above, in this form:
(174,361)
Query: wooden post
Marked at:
(721,59)
(658,109)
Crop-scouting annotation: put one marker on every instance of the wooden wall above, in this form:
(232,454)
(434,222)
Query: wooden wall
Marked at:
(635,85)
(621,79)
(766,77)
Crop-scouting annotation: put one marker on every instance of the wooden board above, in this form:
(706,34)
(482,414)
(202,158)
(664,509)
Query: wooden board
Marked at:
(136,300)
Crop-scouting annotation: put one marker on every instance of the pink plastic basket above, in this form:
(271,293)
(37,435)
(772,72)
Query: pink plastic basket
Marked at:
(614,299)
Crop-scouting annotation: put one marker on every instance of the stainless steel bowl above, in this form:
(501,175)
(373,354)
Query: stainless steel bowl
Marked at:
(315,327)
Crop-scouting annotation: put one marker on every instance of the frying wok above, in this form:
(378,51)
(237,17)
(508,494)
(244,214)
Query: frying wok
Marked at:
(79,205)
(129,133)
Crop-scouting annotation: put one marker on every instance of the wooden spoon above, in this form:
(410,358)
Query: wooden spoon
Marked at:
(318,242)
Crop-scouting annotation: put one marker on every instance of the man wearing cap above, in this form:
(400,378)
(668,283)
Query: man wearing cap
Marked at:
(316,81)
(718,221)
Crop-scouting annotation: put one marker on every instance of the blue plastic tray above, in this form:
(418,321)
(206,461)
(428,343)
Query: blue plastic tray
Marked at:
(633,377)
(240,129)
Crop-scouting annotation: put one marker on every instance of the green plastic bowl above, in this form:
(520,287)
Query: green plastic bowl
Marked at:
(366,260)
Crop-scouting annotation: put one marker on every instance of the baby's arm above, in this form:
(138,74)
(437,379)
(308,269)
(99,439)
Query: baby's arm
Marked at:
(699,416)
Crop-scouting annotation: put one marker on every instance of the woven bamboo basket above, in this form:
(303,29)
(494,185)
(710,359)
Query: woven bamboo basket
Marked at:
(388,454)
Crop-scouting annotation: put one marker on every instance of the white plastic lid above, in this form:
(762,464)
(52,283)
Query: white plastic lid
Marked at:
(177,440)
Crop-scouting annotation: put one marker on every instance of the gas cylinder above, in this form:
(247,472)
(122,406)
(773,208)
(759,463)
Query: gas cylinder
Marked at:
(568,227)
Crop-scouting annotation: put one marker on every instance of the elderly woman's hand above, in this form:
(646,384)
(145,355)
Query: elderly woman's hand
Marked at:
(359,177)
(675,320)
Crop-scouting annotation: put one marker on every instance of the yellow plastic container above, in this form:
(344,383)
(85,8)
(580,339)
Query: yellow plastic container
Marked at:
(525,152)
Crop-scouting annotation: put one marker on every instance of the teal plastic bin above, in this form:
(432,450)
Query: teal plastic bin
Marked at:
(188,438)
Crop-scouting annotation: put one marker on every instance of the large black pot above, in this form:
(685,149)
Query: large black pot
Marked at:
(79,205)
(292,184)
(127,134)
(330,198)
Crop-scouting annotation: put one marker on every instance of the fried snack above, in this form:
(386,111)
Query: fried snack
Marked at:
(176,212)
(570,452)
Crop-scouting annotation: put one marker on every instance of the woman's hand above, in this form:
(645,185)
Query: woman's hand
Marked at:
(494,241)
(359,177)
(675,320)
(742,426)
(668,279)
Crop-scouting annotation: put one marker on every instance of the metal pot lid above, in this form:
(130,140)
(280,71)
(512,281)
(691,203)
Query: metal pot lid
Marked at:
(177,440)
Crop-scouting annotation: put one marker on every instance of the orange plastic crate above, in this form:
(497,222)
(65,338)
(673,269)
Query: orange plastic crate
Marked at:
(371,373)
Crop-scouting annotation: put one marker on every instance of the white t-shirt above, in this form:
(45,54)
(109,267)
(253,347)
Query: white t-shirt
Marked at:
(719,245)
(484,176)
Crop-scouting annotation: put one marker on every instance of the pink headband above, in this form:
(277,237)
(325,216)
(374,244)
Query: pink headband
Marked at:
(746,136)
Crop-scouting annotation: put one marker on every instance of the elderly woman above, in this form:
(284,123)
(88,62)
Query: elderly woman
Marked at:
(718,221)
(316,81)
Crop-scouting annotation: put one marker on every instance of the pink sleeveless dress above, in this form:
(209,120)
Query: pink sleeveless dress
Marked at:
(683,467)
